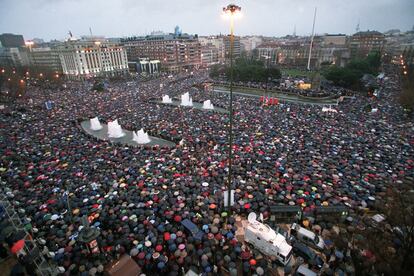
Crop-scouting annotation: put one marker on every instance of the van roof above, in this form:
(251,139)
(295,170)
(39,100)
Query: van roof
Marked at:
(268,234)
(306,232)
(305,271)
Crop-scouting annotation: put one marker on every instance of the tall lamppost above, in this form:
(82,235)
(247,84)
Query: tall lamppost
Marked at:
(268,57)
(232,10)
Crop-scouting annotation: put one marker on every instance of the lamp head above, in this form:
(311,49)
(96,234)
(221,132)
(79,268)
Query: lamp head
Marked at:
(232,9)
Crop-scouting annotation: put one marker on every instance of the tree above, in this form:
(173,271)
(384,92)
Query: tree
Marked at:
(245,70)
(398,208)
(99,85)
(13,81)
(216,70)
(344,77)
(350,75)
(386,247)
(407,89)
(374,61)
(274,73)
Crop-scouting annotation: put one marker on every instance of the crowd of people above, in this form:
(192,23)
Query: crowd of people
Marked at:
(289,85)
(290,154)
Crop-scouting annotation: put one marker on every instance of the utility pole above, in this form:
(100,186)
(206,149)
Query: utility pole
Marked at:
(231,10)
(311,44)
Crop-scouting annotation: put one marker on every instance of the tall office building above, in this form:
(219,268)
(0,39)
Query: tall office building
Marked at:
(215,41)
(45,59)
(13,52)
(249,43)
(176,53)
(362,43)
(209,55)
(236,47)
(11,40)
(83,59)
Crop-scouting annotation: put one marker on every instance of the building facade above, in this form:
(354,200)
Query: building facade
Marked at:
(13,57)
(175,52)
(236,47)
(13,52)
(215,41)
(149,66)
(334,50)
(209,55)
(362,43)
(250,43)
(84,59)
(291,53)
(45,58)
(334,40)
(294,51)
(11,40)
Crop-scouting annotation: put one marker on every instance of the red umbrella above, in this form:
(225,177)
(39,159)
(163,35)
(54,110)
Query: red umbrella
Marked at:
(368,254)
(245,255)
(17,246)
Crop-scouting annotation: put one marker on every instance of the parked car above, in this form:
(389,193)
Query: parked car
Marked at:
(304,271)
(192,229)
(306,253)
(306,236)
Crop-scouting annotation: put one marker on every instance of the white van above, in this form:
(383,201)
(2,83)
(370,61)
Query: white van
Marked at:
(304,271)
(307,236)
(265,239)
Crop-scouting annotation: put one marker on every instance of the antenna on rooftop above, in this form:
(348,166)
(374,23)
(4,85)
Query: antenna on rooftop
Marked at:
(252,217)
(294,31)
(90,31)
(357,27)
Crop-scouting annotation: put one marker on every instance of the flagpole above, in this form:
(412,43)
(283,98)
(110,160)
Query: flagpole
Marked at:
(311,44)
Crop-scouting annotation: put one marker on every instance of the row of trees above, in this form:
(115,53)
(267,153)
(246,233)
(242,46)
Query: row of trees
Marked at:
(407,81)
(350,75)
(245,69)
(407,93)
(14,80)
(12,83)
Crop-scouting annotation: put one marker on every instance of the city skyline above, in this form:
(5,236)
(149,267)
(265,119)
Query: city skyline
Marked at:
(53,19)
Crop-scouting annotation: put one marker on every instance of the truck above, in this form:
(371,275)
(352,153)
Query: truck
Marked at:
(266,240)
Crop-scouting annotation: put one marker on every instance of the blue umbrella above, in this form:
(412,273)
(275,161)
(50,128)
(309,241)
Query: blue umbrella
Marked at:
(339,254)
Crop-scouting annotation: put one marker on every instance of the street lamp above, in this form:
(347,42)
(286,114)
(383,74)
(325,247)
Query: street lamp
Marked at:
(232,10)
(268,57)
(29,44)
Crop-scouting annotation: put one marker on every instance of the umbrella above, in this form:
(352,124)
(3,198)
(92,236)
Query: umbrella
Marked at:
(17,269)
(17,246)
(339,254)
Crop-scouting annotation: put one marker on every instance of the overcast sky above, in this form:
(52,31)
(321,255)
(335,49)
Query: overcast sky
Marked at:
(52,19)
